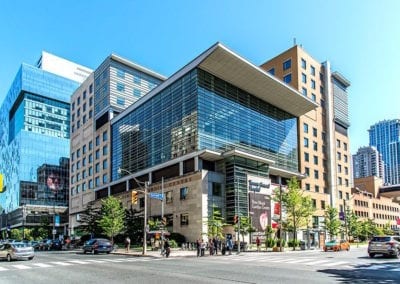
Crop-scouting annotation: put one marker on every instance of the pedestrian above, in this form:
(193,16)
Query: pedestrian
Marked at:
(202,247)
(127,244)
(216,244)
(167,248)
(258,243)
(211,246)
(198,246)
(229,245)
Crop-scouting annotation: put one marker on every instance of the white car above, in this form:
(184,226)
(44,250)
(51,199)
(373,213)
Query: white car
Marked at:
(16,250)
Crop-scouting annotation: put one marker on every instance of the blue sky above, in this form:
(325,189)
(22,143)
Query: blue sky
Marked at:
(360,39)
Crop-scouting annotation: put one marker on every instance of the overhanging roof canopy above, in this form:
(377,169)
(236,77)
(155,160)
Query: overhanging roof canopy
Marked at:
(236,70)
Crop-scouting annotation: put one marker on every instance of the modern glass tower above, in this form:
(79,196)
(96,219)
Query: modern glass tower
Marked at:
(385,136)
(34,138)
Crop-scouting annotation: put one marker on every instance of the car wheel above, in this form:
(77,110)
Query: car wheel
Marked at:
(30,258)
(371,255)
(84,252)
(9,257)
(325,249)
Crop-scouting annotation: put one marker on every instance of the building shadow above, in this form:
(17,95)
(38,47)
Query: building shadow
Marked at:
(378,272)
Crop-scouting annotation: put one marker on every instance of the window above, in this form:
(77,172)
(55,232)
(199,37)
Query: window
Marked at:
(315,132)
(120,101)
(271,71)
(316,174)
(303,63)
(136,80)
(97,140)
(305,141)
(105,178)
(168,197)
(321,90)
(105,150)
(183,193)
(347,196)
(84,149)
(312,70)
(340,194)
(120,87)
(91,88)
(346,170)
(316,188)
(315,160)
(84,162)
(97,154)
(339,168)
(307,186)
(90,101)
(120,73)
(306,157)
(90,145)
(105,165)
(345,146)
(97,181)
(315,146)
(105,136)
(79,101)
(90,184)
(322,204)
(97,168)
(314,203)
(307,171)
(304,91)
(313,97)
(73,106)
(90,158)
(340,181)
(287,78)
(137,93)
(216,189)
(78,153)
(185,219)
(339,156)
(305,127)
(345,158)
(338,143)
(287,64)
(90,171)
(312,84)
(84,186)
(304,78)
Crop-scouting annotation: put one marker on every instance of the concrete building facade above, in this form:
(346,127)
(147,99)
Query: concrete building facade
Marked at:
(368,162)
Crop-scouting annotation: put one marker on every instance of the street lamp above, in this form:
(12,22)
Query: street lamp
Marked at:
(145,207)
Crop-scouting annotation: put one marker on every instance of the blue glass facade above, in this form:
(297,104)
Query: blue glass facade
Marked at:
(385,136)
(34,139)
(200,111)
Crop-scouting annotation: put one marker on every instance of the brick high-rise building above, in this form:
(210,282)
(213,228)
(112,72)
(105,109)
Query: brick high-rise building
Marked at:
(323,133)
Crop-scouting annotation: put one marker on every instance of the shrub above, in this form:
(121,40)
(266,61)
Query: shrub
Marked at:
(293,243)
(269,243)
(278,243)
(178,238)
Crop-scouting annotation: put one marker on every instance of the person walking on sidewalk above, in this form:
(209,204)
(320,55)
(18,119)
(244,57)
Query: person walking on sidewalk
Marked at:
(167,248)
(127,244)
(258,243)
(198,246)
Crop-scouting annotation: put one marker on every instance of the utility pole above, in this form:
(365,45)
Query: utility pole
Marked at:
(280,214)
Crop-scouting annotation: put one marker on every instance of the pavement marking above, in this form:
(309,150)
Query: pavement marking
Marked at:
(21,266)
(3,269)
(78,261)
(61,263)
(115,260)
(334,263)
(300,260)
(96,260)
(317,262)
(42,265)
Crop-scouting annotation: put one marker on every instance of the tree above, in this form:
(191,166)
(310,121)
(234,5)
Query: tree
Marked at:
(112,217)
(298,207)
(89,220)
(245,227)
(387,230)
(353,224)
(332,224)
(134,223)
(215,223)
(367,229)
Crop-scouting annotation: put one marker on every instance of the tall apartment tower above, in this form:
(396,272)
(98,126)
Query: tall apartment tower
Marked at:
(385,136)
(324,152)
(368,162)
(116,84)
(34,142)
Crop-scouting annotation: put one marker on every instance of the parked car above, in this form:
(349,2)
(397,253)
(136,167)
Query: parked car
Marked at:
(56,245)
(385,245)
(97,245)
(16,250)
(336,245)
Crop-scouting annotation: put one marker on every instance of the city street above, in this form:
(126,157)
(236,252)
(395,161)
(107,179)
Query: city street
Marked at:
(183,267)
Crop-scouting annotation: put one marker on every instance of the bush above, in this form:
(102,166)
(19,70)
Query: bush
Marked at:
(293,243)
(269,243)
(173,244)
(278,243)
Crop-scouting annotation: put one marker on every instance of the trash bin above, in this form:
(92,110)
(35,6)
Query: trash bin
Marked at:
(302,245)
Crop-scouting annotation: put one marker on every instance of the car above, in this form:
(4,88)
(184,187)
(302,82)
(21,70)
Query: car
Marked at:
(16,250)
(56,245)
(385,245)
(97,245)
(336,245)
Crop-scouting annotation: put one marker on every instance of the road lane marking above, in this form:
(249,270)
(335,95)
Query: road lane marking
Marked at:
(21,266)
(78,261)
(96,260)
(3,269)
(61,263)
(334,263)
(317,262)
(42,265)
(300,260)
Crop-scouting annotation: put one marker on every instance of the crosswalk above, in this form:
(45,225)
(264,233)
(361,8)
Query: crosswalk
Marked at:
(33,265)
(308,261)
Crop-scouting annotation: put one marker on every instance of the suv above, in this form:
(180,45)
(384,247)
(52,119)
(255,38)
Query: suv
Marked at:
(97,245)
(386,245)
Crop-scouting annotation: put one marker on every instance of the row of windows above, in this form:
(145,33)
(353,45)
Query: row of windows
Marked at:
(341,195)
(385,207)
(84,94)
(322,203)
(316,188)
(384,216)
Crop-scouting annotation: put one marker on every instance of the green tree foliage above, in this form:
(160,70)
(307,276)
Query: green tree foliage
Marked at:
(112,217)
(89,220)
(332,223)
(244,227)
(353,225)
(298,207)
(367,229)
(387,230)
(16,234)
(215,223)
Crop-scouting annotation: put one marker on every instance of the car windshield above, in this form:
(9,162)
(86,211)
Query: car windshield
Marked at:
(20,245)
(380,239)
(91,242)
(332,242)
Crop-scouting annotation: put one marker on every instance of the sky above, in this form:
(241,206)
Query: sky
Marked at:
(360,39)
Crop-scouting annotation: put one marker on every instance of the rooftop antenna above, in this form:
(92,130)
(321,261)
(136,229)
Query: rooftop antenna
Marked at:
(294,41)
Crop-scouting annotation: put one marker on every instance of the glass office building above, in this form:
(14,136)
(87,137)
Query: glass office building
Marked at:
(385,136)
(34,137)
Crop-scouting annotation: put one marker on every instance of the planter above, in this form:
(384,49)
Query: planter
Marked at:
(277,249)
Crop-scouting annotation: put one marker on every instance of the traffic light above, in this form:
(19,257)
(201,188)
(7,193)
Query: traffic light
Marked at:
(2,187)
(235,219)
(134,197)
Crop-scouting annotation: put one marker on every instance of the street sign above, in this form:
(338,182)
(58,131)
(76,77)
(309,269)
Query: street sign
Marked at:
(341,216)
(156,195)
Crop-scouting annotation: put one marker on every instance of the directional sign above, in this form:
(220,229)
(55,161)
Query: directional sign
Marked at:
(156,195)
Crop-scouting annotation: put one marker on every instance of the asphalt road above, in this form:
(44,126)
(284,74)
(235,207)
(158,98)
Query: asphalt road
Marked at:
(288,267)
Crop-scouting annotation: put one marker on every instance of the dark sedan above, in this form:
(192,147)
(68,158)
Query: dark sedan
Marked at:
(97,246)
